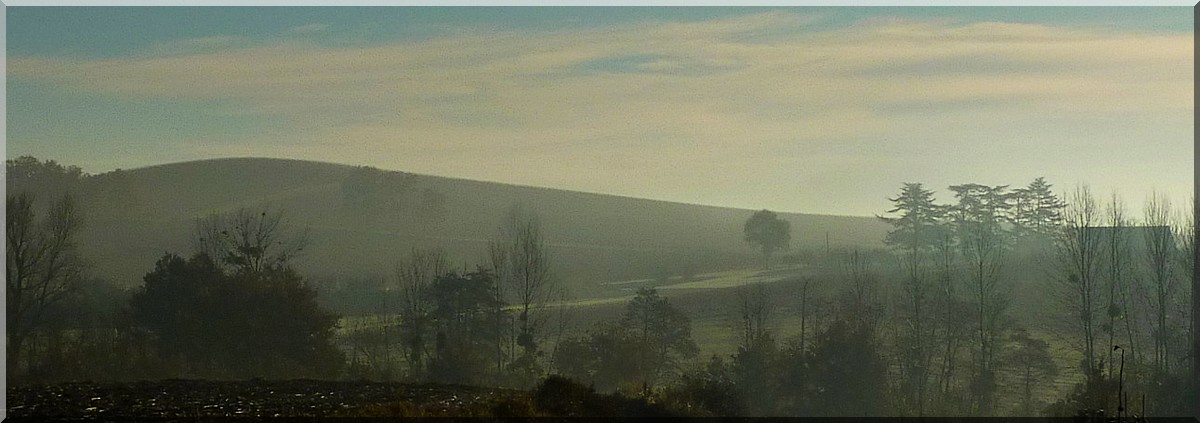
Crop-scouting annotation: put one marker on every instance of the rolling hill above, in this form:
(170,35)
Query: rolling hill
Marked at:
(361,220)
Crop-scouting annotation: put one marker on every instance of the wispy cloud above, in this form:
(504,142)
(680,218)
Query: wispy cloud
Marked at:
(639,101)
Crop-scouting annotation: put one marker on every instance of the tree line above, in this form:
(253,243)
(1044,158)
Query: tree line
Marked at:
(954,306)
(932,325)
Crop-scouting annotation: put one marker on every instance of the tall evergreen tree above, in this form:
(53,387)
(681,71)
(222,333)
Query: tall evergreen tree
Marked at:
(916,233)
(1036,209)
(917,226)
(979,217)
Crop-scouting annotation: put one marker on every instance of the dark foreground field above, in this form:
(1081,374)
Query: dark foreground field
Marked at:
(309,398)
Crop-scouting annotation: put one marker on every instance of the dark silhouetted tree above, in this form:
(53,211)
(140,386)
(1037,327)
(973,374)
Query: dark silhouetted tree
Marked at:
(915,234)
(848,375)
(1160,251)
(460,317)
(1036,209)
(1031,357)
(210,323)
(769,233)
(249,241)
(604,358)
(978,220)
(415,277)
(1079,253)
(252,313)
(46,178)
(757,310)
(1119,286)
(644,348)
(709,391)
(664,335)
(42,266)
(918,226)
(755,368)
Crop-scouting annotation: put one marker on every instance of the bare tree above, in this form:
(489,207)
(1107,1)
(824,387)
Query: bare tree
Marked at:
(526,272)
(916,330)
(501,320)
(806,287)
(979,215)
(864,299)
(414,276)
(248,241)
(1160,250)
(1118,260)
(1079,252)
(914,235)
(953,328)
(42,266)
(1190,254)
(756,310)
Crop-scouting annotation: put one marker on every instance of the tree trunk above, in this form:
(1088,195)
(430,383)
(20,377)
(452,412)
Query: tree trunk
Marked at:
(16,343)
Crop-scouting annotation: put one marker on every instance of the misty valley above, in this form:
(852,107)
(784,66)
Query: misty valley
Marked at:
(271,287)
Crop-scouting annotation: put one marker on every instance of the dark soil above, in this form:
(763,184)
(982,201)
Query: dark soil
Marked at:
(201,398)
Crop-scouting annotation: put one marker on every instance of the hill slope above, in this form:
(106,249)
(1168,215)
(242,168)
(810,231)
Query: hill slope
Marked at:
(360,220)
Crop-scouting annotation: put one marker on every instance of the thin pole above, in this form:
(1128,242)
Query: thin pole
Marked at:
(1121,387)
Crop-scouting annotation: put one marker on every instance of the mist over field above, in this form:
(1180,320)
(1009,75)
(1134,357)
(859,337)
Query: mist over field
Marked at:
(652,212)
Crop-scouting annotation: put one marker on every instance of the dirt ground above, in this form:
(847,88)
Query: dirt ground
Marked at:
(194,398)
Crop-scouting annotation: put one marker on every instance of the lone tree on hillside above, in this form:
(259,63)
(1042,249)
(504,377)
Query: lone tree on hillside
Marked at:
(769,232)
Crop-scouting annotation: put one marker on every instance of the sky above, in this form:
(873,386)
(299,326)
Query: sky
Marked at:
(796,109)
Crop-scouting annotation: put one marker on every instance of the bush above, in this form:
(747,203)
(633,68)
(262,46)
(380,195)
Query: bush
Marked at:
(709,392)
(218,324)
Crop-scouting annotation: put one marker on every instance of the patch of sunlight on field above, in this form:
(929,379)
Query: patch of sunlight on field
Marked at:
(587,302)
(628,282)
(734,278)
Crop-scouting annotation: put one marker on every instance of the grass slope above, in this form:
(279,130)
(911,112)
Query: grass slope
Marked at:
(134,216)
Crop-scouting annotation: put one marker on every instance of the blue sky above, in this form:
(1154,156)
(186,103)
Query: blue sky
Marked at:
(117,31)
(780,108)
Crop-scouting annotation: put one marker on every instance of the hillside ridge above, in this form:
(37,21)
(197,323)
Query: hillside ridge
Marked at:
(362,220)
(348,167)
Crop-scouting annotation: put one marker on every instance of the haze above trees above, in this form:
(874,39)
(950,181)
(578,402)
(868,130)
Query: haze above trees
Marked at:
(983,305)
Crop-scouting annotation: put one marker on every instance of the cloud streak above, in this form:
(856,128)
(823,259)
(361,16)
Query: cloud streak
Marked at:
(655,109)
